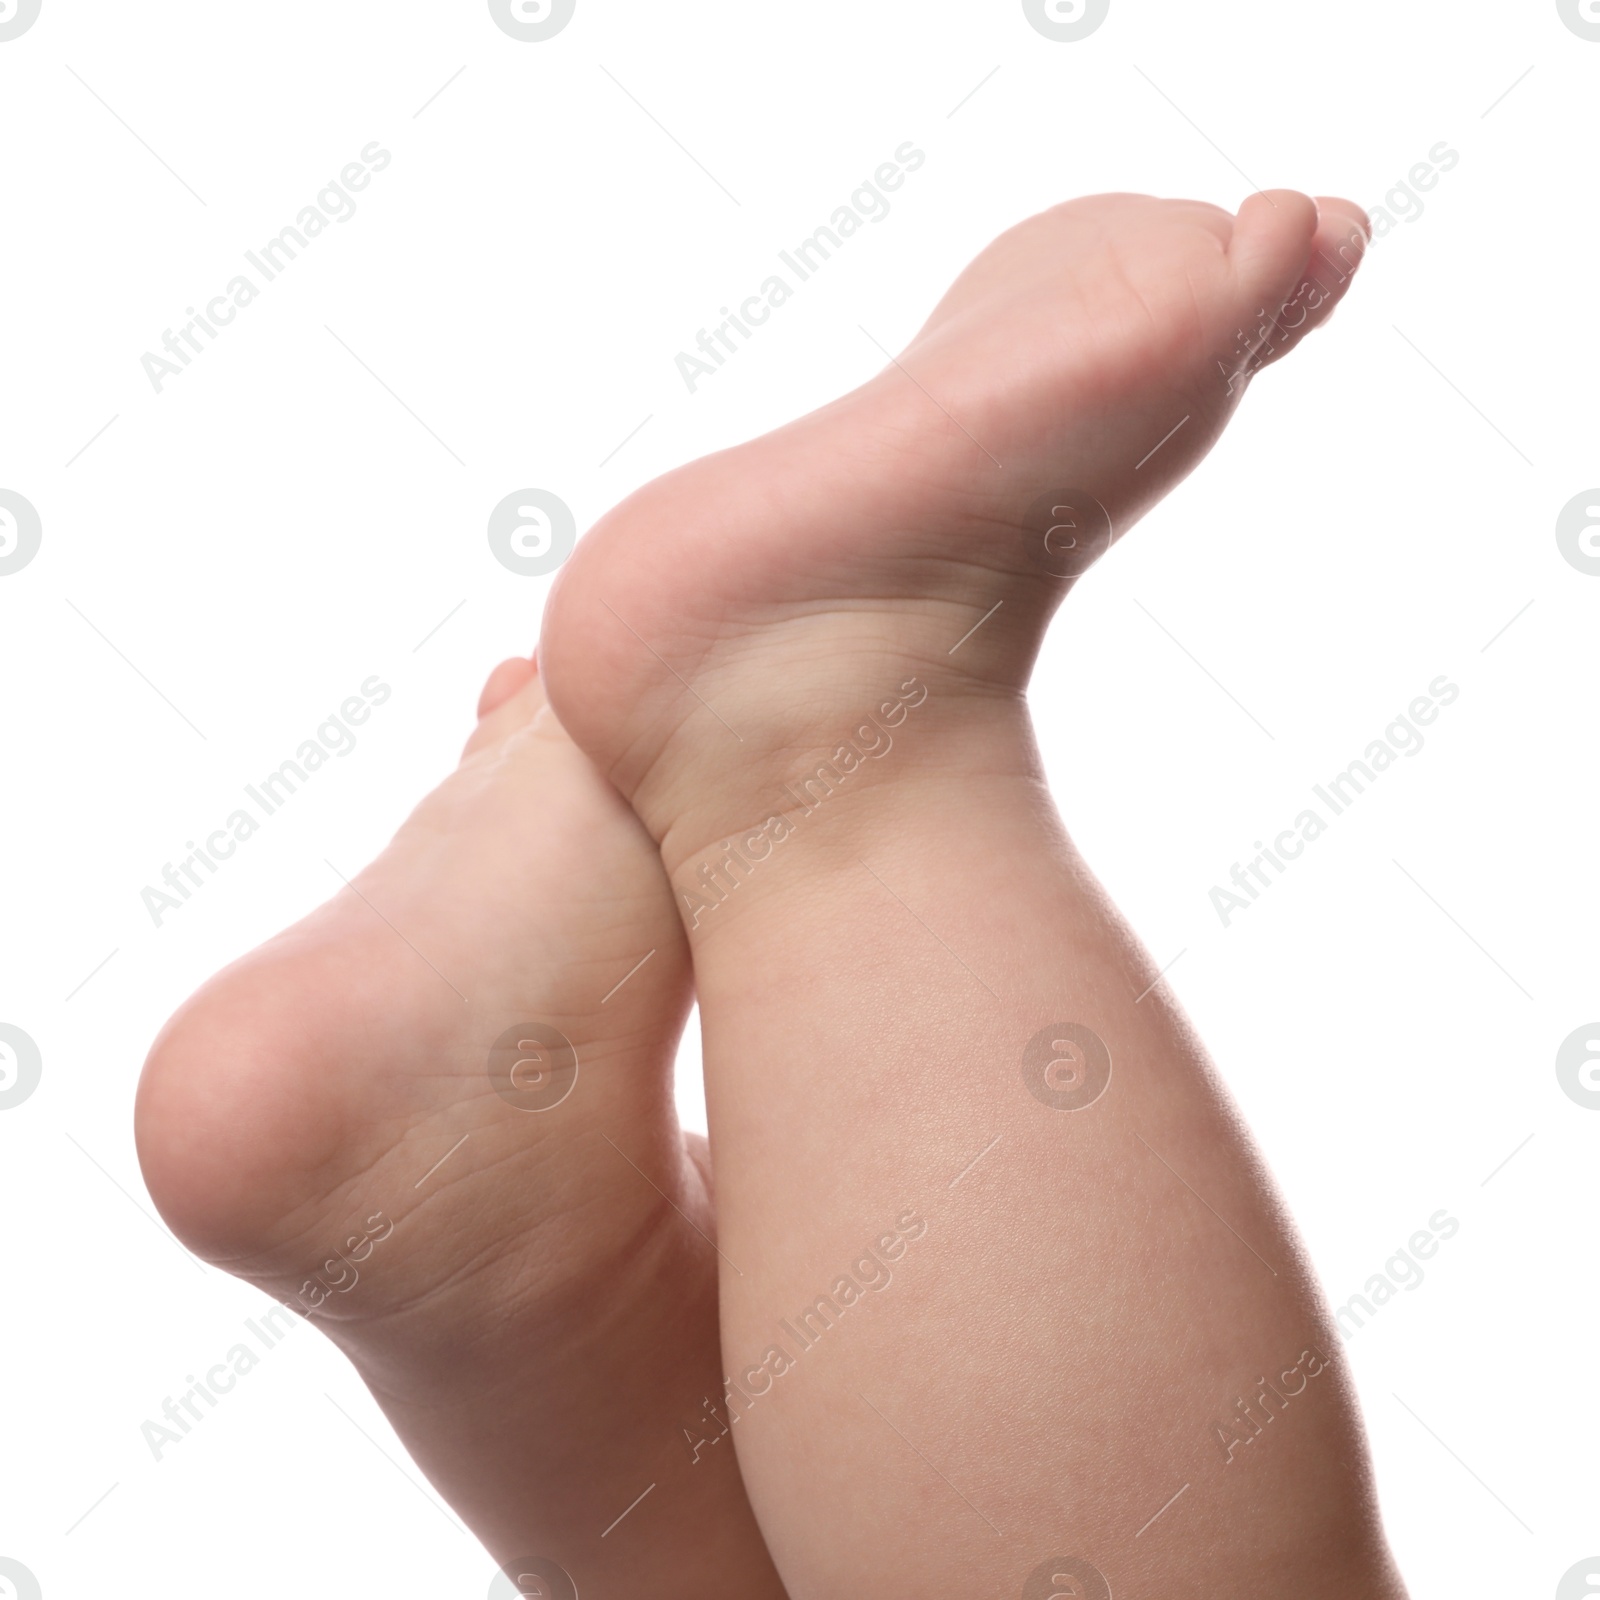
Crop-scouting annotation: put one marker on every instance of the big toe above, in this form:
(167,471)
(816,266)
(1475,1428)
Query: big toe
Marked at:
(1295,258)
(1271,244)
(505,681)
(1343,232)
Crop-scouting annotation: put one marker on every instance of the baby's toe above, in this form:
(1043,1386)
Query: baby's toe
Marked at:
(1271,245)
(512,697)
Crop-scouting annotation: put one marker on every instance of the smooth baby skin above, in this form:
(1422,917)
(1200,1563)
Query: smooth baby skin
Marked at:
(1103,1360)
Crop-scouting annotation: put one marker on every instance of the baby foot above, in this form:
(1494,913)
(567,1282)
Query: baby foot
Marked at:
(736,614)
(436,1117)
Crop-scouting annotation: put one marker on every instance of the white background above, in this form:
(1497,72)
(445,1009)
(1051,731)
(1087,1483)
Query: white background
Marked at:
(275,527)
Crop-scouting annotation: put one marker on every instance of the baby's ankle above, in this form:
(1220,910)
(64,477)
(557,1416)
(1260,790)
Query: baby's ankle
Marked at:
(912,769)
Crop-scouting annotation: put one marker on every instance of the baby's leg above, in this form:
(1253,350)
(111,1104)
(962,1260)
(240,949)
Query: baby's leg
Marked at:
(1033,1292)
(374,1119)
(1013,1308)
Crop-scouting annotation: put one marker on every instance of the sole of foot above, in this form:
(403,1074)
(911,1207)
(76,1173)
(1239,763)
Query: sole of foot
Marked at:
(436,1118)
